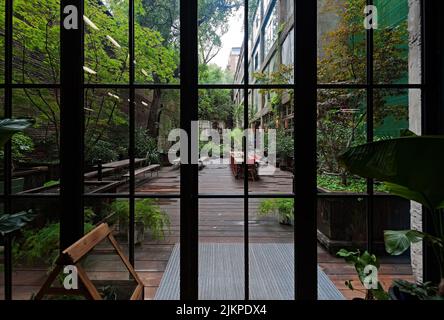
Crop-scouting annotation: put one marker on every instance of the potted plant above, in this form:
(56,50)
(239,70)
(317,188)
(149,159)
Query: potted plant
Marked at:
(411,167)
(282,208)
(362,262)
(284,149)
(148,216)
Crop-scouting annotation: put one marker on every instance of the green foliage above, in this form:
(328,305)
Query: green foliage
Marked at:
(22,145)
(411,167)
(284,144)
(89,215)
(334,183)
(423,291)
(214,104)
(102,150)
(147,212)
(284,208)
(213,17)
(397,242)
(9,127)
(41,245)
(342,113)
(51,183)
(146,146)
(360,261)
(13,222)
(413,175)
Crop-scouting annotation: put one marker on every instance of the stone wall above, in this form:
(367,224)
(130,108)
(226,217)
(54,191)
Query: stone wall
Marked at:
(414,27)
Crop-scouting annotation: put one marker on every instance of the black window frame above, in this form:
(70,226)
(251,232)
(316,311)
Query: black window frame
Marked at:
(305,88)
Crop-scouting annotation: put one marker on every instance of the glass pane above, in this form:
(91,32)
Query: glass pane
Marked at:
(271,118)
(36,247)
(220,137)
(157,251)
(271,42)
(106,141)
(105,268)
(221,249)
(157,40)
(341,41)
(397,42)
(341,124)
(102,265)
(342,224)
(392,109)
(220,36)
(35,151)
(36,50)
(271,225)
(157,117)
(395,113)
(106,42)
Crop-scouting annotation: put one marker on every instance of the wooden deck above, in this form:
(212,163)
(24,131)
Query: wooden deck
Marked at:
(220,221)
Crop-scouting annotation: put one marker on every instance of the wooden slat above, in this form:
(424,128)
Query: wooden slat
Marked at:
(87,243)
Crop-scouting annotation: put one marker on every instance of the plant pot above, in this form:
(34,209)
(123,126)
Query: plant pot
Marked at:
(396,294)
(285,221)
(342,221)
(139,231)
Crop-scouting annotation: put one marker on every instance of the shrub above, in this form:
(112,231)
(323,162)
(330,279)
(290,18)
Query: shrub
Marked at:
(102,150)
(284,144)
(146,146)
(22,145)
(284,208)
(41,246)
(147,212)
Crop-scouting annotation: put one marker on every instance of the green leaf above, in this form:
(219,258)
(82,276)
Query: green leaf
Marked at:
(8,127)
(412,166)
(397,242)
(13,222)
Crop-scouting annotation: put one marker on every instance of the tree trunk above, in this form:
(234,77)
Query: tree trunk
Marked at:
(152,121)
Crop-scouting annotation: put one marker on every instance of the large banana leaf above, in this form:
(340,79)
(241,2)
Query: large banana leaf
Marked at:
(413,167)
(10,126)
(13,222)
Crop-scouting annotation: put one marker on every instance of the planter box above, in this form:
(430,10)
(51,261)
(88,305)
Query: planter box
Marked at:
(139,232)
(342,222)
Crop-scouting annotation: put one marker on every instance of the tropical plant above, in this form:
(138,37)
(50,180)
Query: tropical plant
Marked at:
(283,208)
(147,212)
(423,291)
(12,222)
(411,167)
(41,245)
(361,262)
